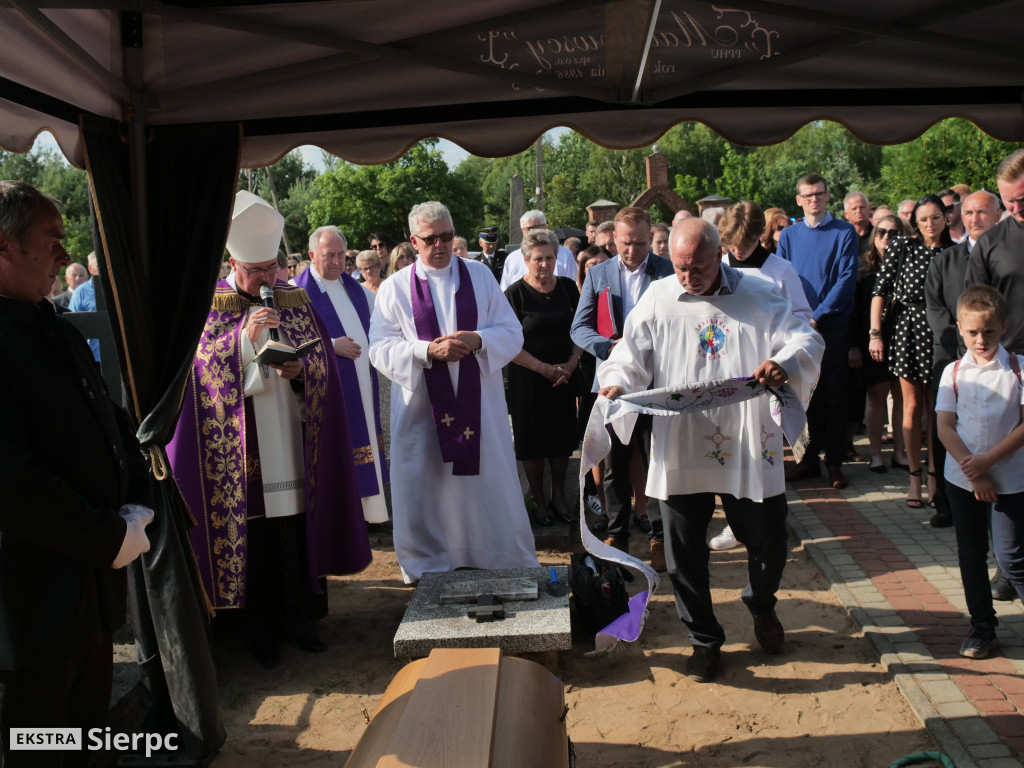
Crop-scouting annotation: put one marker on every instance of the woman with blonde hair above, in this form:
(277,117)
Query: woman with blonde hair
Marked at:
(776,220)
(402,255)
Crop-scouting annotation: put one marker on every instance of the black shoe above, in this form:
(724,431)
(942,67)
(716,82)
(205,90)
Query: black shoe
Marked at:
(769,632)
(899,464)
(600,524)
(881,469)
(643,522)
(805,470)
(702,665)
(1001,588)
(979,644)
(941,520)
(265,651)
(308,641)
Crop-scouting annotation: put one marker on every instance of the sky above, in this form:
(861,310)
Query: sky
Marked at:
(452,153)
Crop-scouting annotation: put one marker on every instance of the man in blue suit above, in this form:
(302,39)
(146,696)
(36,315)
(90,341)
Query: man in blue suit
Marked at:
(610,292)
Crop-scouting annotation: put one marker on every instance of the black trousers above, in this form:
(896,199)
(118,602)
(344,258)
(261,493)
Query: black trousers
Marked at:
(826,414)
(760,526)
(618,488)
(64,693)
(971,523)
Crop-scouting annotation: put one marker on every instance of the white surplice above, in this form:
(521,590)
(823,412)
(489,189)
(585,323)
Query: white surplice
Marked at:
(785,278)
(278,420)
(375,509)
(679,338)
(443,521)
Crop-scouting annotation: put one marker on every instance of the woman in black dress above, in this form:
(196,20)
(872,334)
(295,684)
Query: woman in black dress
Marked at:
(874,380)
(909,348)
(541,400)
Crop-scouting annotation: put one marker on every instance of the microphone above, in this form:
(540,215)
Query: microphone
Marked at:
(267,294)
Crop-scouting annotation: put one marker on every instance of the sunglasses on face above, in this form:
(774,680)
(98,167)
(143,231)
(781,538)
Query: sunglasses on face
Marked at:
(887,233)
(429,240)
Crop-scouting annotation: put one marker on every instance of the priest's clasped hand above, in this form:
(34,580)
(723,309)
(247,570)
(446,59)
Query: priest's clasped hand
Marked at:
(347,347)
(454,346)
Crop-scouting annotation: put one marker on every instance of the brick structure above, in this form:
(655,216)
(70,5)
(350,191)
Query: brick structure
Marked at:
(658,187)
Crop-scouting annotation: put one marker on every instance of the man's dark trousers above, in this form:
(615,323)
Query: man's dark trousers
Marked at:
(761,527)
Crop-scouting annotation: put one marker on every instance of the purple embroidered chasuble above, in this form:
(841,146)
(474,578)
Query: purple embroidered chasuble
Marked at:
(214,453)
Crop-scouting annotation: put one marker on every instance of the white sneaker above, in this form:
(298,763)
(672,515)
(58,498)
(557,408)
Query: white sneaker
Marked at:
(724,540)
(594,505)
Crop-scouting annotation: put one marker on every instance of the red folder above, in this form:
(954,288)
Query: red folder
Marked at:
(605,318)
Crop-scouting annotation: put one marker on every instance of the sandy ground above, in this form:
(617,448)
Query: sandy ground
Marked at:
(826,701)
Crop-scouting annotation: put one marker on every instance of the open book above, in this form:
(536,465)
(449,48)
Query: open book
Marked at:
(276,352)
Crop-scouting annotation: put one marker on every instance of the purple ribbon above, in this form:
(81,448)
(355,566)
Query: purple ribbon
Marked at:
(457,420)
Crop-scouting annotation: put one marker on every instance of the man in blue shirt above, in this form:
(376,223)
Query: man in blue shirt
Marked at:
(823,251)
(84,300)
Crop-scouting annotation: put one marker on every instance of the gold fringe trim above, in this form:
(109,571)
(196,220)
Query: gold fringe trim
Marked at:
(232,301)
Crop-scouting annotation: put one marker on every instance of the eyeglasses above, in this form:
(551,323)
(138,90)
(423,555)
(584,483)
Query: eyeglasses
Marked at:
(887,233)
(379,247)
(814,195)
(266,272)
(429,240)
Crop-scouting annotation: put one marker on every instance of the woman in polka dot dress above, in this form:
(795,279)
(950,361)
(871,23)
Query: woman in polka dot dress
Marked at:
(909,350)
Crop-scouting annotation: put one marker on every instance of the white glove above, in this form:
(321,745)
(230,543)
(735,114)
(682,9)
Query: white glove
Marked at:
(135,540)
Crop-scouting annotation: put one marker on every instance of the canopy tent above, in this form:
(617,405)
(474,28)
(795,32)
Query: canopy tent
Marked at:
(163,101)
(365,79)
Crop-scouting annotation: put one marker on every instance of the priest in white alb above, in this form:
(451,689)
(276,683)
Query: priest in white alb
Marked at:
(345,307)
(707,323)
(441,330)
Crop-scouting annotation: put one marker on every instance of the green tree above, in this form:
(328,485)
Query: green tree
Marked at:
(951,152)
(50,173)
(363,199)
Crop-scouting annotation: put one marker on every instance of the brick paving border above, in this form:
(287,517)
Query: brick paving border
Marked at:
(899,580)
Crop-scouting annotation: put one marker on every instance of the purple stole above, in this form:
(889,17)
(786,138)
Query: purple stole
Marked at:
(457,421)
(362,446)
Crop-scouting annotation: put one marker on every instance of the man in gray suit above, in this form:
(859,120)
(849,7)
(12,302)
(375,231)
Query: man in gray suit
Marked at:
(610,291)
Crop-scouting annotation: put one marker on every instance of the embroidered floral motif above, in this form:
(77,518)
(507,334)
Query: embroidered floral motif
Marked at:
(766,454)
(717,453)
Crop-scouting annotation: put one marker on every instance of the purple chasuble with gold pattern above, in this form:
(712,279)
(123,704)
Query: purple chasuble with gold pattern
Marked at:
(214,454)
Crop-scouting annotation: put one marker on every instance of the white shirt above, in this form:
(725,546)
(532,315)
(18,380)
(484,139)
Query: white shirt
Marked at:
(630,283)
(987,410)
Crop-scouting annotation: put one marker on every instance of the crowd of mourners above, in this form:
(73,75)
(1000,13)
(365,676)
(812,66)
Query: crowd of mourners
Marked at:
(909,315)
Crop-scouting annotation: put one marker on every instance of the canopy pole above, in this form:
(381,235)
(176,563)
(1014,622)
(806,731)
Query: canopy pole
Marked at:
(135,118)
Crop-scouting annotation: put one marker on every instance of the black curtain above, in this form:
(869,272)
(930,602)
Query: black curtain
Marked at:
(158,308)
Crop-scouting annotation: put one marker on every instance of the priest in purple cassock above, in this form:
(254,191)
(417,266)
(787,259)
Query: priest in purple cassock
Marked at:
(345,306)
(261,453)
(441,330)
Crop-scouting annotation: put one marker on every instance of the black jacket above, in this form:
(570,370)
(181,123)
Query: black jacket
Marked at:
(68,460)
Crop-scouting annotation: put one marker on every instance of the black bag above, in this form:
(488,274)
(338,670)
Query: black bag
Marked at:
(598,592)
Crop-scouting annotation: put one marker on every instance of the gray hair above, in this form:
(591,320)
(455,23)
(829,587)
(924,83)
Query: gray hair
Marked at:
(314,239)
(534,215)
(538,237)
(465,243)
(367,259)
(701,231)
(856,193)
(605,226)
(19,205)
(428,212)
